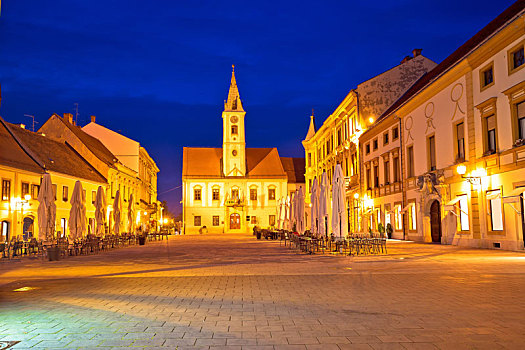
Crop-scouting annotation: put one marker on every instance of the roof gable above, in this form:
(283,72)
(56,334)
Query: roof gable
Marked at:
(12,154)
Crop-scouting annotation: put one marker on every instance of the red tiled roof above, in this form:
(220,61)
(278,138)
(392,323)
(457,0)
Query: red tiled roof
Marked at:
(294,168)
(457,55)
(56,156)
(12,154)
(206,162)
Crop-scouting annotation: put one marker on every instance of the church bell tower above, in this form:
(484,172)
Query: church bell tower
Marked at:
(233,144)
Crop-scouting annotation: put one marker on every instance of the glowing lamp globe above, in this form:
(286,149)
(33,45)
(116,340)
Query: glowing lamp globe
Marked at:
(461,169)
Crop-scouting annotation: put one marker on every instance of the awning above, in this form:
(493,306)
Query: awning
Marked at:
(493,195)
(405,208)
(453,202)
(449,207)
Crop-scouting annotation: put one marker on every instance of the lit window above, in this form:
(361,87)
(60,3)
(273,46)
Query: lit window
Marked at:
(490,124)
(63,227)
(25,189)
(235,193)
(6,190)
(271,193)
(35,189)
(215,194)
(65,191)
(215,221)
(253,220)
(520,107)
(412,216)
(496,214)
(463,212)
(398,217)
(197,194)
(253,194)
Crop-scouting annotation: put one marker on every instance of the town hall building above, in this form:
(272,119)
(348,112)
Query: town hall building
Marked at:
(234,188)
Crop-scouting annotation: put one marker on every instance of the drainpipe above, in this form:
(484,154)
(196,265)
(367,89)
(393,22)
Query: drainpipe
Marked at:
(403,194)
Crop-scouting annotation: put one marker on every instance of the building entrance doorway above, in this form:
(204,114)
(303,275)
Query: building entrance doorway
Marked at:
(435,222)
(28,228)
(235,221)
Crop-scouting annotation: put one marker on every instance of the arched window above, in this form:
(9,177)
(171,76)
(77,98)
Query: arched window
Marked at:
(235,129)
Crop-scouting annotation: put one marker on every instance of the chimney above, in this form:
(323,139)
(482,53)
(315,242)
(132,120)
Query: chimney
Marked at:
(406,59)
(93,118)
(68,117)
(416,52)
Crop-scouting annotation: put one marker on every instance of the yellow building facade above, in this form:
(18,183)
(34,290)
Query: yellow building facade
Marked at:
(461,145)
(235,188)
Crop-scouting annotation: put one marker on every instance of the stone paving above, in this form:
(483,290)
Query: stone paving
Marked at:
(234,292)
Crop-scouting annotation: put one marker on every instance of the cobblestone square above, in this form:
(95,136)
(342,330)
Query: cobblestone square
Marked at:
(234,292)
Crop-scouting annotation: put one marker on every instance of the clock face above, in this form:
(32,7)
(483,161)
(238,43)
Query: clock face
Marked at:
(234,119)
(234,152)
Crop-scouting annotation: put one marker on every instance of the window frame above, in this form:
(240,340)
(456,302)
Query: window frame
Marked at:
(197,190)
(411,168)
(412,215)
(253,194)
(215,220)
(272,190)
(456,148)
(197,218)
(487,67)
(6,190)
(431,152)
(497,201)
(395,133)
(463,213)
(510,57)
(215,191)
(386,138)
(65,193)
(234,130)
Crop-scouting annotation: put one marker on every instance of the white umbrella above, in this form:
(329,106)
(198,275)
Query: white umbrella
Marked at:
(76,215)
(300,211)
(287,213)
(131,214)
(293,219)
(117,207)
(314,213)
(339,219)
(100,210)
(323,206)
(282,213)
(46,209)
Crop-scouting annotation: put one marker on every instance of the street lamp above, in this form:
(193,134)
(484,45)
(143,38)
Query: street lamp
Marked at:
(475,176)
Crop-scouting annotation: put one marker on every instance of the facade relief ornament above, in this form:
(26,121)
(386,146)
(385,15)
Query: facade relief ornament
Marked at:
(455,95)
(409,123)
(429,113)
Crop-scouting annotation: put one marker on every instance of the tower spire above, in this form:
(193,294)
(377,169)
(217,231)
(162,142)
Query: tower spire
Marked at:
(311,130)
(234,99)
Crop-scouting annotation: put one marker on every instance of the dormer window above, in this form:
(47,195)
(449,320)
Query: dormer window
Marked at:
(235,129)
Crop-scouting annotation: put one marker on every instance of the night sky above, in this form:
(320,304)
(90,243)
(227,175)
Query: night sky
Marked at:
(158,71)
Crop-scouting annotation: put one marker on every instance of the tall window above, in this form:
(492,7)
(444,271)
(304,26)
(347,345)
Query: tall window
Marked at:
(235,129)
(271,193)
(253,194)
(463,213)
(93,196)
(25,188)
(432,152)
(235,193)
(517,58)
(368,178)
(376,176)
(385,138)
(64,193)
(354,163)
(253,219)
(398,217)
(196,220)
(487,77)
(271,220)
(460,140)
(35,189)
(521,119)
(4,231)
(496,214)
(395,133)
(387,172)
(63,227)
(215,194)
(215,220)
(197,194)
(412,216)
(55,189)
(395,165)
(490,124)
(309,159)
(410,161)
(6,190)
(367,148)
(375,144)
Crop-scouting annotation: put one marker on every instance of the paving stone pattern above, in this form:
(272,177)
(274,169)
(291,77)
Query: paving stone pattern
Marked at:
(234,292)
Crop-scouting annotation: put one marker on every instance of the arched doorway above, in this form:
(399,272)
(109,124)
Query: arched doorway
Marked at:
(435,222)
(28,228)
(235,221)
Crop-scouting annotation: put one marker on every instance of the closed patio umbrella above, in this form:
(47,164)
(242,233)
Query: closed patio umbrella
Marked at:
(287,213)
(131,215)
(339,219)
(300,211)
(100,210)
(323,206)
(46,209)
(117,209)
(76,213)
(314,213)
(292,211)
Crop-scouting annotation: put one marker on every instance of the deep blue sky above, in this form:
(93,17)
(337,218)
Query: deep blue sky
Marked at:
(159,70)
